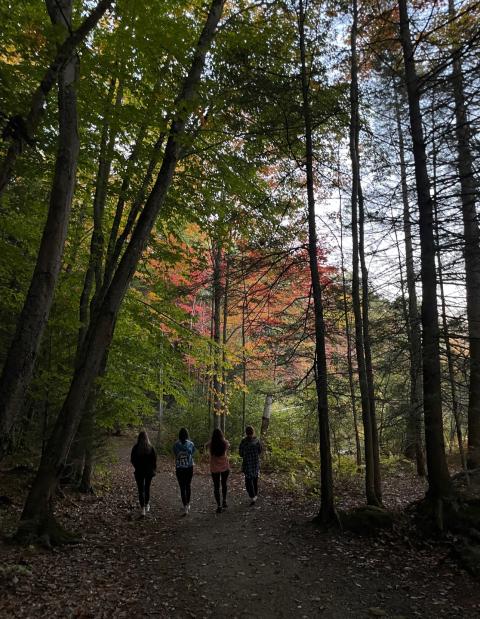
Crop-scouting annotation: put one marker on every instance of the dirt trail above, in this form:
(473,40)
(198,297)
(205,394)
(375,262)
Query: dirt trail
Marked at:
(263,561)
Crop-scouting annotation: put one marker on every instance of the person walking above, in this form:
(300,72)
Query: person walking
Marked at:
(184,450)
(218,447)
(250,449)
(144,460)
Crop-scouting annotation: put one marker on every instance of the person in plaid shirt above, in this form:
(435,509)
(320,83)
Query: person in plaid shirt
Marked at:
(250,449)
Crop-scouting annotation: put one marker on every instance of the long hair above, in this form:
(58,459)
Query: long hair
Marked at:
(143,444)
(218,444)
(183,435)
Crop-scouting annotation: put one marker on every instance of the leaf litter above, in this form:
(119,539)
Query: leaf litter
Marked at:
(266,561)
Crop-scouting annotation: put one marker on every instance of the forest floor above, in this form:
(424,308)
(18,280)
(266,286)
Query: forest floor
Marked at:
(263,561)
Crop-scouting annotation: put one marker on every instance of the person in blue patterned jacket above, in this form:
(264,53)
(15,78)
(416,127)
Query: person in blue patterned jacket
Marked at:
(184,450)
(250,449)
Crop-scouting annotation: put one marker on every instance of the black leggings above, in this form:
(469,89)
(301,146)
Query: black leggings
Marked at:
(143,484)
(216,486)
(184,477)
(251,484)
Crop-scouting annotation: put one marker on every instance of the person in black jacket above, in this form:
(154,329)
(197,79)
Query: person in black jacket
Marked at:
(144,460)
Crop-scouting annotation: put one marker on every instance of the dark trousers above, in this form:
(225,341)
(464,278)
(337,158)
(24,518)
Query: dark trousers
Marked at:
(184,477)
(251,484)
(143,484)
(223,476)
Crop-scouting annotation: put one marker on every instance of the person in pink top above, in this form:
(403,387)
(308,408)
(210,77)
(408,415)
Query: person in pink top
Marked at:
(218,447)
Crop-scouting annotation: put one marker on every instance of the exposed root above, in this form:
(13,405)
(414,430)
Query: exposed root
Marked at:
(46,532)
(327,521)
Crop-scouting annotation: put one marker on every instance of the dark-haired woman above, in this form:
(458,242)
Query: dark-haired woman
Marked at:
(218,447)
(250,450)
(184,450)
(144,460)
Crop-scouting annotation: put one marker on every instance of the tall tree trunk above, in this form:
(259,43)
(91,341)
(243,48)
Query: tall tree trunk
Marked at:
(471,248)
(22,130)
(438,475)
(224,342)
(414,446)
(93,276)
(267,412)
(327,514)
(217,301)
(244,353)
(348,334)
(371,468)
(377,480)
(37,515)
(446,330)
(21,357)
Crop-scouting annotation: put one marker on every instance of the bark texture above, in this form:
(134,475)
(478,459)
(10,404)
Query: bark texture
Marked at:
(471,249)
(20,361)
(372,469)
(327,514)
(438,475)
(414,446)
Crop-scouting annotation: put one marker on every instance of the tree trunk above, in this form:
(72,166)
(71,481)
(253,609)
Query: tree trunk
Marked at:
(93,274)
(348,334)
(224,342)
(446,330)
(267,411)
(100,332)
(327,514)
(217,301)
(21,357)
(371,482)
(244,354)
(471,248)
(116,245)
(22,130)
(377,480)
(414,447)
(438,475)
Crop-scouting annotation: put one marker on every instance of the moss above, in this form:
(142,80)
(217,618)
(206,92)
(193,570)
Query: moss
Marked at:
(366,520)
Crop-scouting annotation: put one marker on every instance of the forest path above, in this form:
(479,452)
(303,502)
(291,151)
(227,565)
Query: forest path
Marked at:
(265,561)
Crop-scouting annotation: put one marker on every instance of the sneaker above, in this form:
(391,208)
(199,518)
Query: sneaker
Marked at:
(148,507)
(219,510)
(224,505)
(143,511)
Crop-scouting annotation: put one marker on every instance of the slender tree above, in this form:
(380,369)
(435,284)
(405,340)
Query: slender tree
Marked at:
(471,248)
(360,301)
(413,447)
(327,514)
(20,360)
(438,475)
